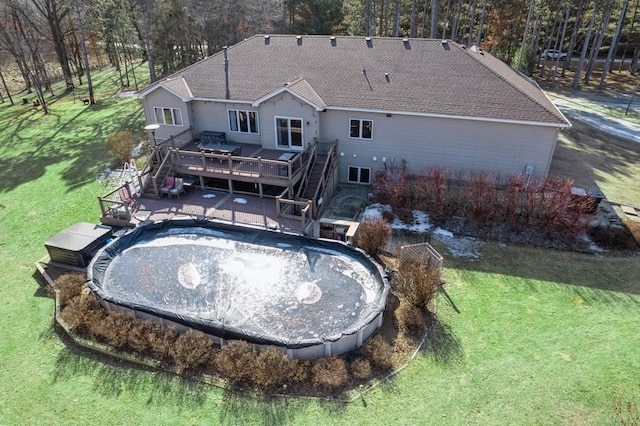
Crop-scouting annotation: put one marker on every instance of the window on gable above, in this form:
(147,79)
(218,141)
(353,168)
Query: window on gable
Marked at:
(243,121)
(360,129)
(359,175)
(168,116)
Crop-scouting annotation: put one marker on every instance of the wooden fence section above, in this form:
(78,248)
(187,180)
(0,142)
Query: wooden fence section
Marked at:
(422,252)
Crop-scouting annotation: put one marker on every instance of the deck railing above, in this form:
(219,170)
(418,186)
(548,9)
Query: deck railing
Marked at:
(236,165)
(326,186)
(294,209)
(116,206)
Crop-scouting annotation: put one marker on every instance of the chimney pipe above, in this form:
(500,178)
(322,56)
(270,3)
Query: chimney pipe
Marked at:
(226,73)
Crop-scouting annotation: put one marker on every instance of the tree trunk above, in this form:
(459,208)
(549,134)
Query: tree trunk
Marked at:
(435,9)
(613,45)
(626,45)
(85,57)
(446,19)
(583,55)
(147,43)
(598,44)
(413,31)
(50,10)
(559,44)
(396,18)
(573,38)
(6,89)
(456,21)
(524,36)
(479,36)
(634,61)
(471,22)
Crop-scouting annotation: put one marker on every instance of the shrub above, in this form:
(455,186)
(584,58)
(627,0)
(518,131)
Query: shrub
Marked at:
(138,336)
(271,368)
(615,237)
(70,285)
(360,368)
(390,186)
(410,318)
(372,236)
(329,373)
(192,349)
(417,283)
(120,145)
(161,341)
(114,329)
(380,352)
(299,371)
(402,345)
(82,313)
(235,361)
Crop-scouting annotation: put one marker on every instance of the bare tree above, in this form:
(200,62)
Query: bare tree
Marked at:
(583,55)
(54,13)
(613,45)
(595,50)
(574,36)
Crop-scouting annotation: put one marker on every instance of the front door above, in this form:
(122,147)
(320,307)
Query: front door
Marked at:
(289,133)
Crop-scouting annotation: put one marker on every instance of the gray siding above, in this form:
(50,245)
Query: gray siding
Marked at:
(164,99)
(286,105)
(424,142)
(214,116)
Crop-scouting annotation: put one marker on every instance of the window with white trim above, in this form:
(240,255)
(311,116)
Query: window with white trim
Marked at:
(243,121)
(360,129)
(289,133)
(359,175)
(168,116)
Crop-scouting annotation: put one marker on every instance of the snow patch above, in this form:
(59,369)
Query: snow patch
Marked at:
(240,200)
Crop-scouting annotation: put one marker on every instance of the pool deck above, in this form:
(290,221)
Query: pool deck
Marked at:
(198,203)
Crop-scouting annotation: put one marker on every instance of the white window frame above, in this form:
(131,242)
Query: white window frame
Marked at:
(175,113)
(289,146)
(237,113)
(361,122)
(368,182)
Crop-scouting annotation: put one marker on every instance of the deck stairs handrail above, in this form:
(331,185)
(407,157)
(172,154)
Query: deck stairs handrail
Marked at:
(326,176)
(307,171)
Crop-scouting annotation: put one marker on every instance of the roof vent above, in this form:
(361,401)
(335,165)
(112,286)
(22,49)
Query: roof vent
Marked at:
(369,42)
(299,40)
(405,41)
(267,40)
(333,41)
(386,77)
(445,45)
(367,38)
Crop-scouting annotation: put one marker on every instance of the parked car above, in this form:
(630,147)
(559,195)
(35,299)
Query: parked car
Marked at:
(553,54)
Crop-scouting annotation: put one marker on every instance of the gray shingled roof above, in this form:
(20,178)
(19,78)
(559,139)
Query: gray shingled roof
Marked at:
(382,74)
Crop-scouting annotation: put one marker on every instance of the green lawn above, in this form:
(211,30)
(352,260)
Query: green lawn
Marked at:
(542,337)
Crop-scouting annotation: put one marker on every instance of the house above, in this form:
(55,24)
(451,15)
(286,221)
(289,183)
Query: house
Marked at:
(381,101)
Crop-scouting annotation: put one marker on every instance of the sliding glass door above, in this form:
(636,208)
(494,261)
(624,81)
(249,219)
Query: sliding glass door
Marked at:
(289,133)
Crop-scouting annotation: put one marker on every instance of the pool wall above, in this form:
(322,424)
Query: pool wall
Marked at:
(304,348)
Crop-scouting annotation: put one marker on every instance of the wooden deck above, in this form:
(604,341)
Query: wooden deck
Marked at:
(198,203)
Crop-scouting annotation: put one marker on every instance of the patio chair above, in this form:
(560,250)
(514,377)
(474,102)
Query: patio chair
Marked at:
(125,196)
(168,185)
(177,189)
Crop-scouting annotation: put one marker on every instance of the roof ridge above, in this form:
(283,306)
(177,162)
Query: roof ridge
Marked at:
(480,51)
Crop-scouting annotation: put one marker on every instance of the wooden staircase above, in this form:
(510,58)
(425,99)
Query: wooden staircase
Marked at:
(315,177)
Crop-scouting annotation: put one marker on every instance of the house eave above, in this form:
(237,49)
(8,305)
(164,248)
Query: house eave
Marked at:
(456,117)
(256,103)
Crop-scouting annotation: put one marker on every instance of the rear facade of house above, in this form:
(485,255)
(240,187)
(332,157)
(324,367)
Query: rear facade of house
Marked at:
(386,102)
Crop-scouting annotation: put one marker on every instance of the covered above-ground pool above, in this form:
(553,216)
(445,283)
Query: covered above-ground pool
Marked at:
(313,297)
